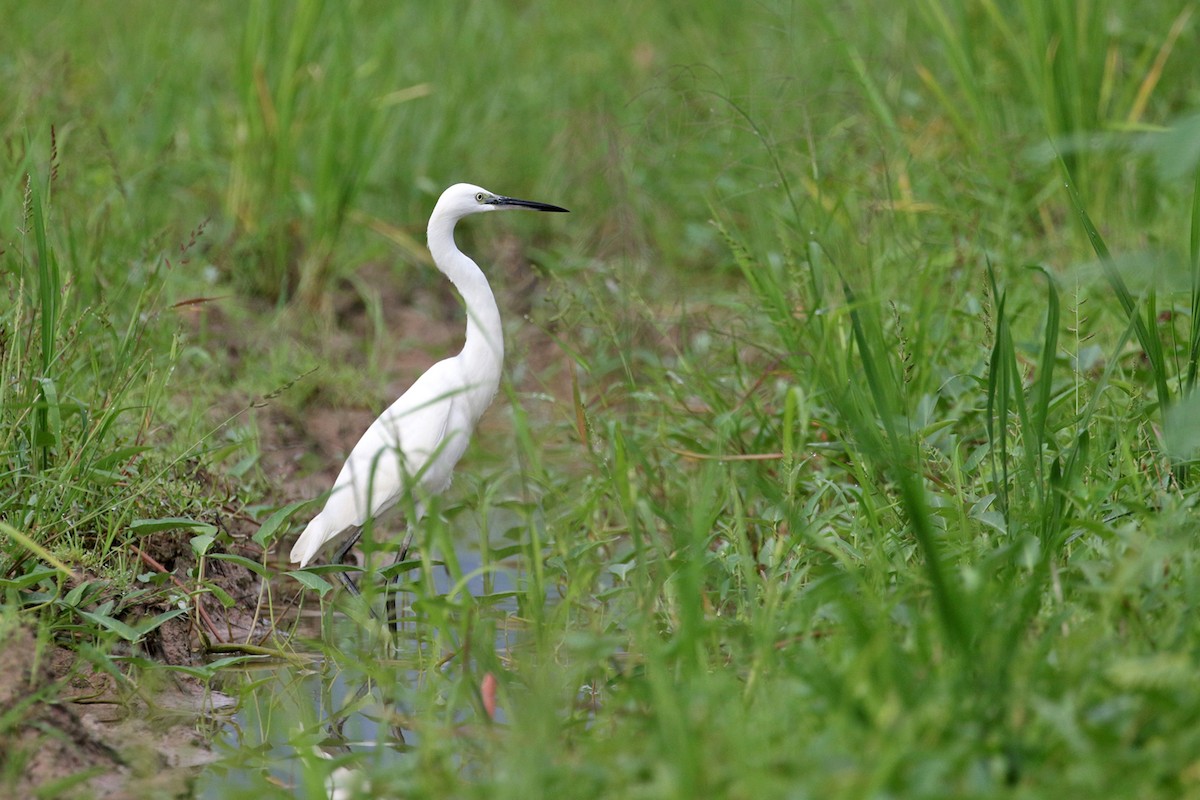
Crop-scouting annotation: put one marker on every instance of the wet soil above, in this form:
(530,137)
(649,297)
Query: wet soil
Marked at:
(81,735)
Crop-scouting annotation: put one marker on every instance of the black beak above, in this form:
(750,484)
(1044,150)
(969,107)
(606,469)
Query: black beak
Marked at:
(512,201)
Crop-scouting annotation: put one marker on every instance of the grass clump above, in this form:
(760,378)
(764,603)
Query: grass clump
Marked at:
(80,389)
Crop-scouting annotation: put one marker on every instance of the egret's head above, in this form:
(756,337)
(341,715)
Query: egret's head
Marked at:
(462,199)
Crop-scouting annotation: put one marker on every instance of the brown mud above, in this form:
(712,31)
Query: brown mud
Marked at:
(82,734)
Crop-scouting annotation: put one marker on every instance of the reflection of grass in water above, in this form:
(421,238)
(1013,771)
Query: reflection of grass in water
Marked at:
(354,704)
(832,499)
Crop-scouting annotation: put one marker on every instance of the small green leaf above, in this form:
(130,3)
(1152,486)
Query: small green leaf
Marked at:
(253,566)
(154,622)
(506,552)
(75,595)
(222,596)
(126,632)
(32,578)
(144,527)
(229,661)
(621,570)
(53,414)
(121,454)
(201,543)
(314,582)
(272,523)
(496,597)
(199,673)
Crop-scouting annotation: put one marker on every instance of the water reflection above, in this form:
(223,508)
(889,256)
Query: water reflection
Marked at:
(308,727)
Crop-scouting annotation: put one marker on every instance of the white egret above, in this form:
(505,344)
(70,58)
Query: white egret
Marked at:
(413,446)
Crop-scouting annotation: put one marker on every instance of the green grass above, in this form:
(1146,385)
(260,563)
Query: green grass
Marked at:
(861,466)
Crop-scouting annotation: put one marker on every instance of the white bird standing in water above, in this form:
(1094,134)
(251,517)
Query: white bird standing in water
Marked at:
(414,445)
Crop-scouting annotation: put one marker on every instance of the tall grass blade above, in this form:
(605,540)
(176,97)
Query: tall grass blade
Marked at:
(1043,382)
(49,279)
(1150,343)
(26,541)
(1006,393)
(997,410)
(900,456)
(1194,263)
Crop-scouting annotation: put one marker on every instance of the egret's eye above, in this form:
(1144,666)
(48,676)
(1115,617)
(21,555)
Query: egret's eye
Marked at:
(480,197)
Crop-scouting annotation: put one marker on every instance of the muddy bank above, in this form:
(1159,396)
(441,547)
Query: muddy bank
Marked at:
(76,723)
(67,731)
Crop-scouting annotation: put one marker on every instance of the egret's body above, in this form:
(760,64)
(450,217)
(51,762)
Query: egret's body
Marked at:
(413,446)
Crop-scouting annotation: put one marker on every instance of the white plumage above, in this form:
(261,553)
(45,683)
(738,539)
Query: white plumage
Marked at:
(414,445)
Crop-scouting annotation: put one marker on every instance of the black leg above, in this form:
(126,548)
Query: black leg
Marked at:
(393,594)
(339,558)
(404,548)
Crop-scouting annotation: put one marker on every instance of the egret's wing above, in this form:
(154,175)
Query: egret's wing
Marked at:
(414,443)
(395,452)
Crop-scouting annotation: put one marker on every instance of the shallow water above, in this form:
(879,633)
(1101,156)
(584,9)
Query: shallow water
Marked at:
(337,704)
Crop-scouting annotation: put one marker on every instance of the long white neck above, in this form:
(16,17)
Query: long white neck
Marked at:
(483,353)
